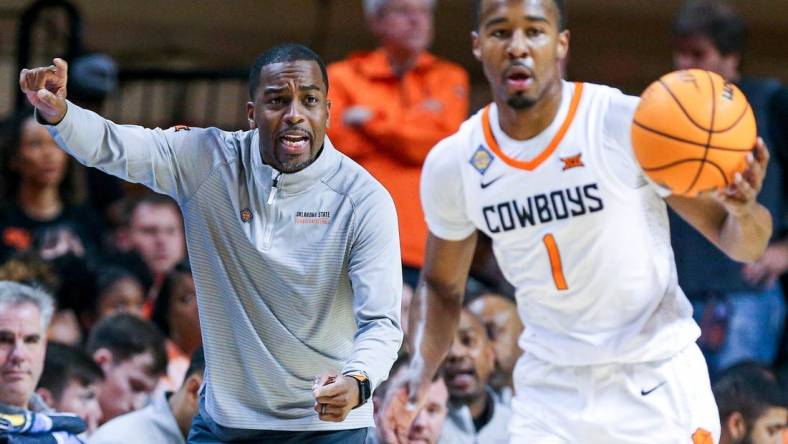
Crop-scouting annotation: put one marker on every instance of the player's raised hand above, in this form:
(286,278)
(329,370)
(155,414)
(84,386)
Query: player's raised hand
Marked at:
(45,88)
(739,197)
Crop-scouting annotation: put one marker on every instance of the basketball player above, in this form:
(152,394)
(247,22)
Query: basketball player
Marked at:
(547,171)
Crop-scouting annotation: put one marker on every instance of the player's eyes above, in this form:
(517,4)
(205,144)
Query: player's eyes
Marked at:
(534,32)
(499,33)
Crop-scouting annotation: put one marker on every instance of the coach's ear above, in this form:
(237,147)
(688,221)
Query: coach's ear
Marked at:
(250,115)
(737,428)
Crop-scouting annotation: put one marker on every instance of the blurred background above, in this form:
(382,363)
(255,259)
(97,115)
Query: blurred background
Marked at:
(193,55)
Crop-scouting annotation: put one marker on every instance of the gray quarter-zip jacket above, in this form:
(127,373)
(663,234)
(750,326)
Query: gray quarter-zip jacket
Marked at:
(296,274)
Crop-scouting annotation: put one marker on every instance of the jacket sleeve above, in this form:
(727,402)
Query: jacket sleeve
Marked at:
(375,271)
(173,162)
(409,135)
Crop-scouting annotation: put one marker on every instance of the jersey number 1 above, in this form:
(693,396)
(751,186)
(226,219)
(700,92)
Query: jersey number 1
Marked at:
(555,262)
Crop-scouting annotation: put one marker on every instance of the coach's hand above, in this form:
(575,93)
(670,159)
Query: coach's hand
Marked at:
(335,397)
(45,89)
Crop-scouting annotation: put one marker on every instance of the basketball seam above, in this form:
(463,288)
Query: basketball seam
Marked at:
(689,142)
(695,123)
(681,106)
(708,140)
(674,163)
(678,162)
(736,122)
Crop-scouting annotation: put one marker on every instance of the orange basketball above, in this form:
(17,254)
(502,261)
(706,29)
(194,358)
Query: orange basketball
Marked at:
(692,131)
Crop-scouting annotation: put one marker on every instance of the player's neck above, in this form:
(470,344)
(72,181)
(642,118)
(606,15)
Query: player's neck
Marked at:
(523,124)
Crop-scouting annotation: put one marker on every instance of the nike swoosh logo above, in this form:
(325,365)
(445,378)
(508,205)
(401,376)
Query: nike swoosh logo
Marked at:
(485,185)
(648,392)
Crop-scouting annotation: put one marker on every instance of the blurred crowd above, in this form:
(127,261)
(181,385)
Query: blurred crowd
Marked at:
(98,313)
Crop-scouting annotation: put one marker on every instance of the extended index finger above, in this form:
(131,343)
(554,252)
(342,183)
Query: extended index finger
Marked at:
(61,69)
(35,79)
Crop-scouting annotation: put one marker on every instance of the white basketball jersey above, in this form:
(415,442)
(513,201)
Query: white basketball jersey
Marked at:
(576,229)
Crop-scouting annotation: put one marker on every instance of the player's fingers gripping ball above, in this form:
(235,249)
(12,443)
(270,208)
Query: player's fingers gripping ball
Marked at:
(692,132)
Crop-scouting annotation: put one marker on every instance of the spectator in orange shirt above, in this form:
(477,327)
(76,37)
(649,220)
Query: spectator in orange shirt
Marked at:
(391,105)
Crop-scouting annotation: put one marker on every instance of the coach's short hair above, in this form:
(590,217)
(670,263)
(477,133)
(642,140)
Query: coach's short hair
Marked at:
(13,294)
(64,364)
(715,20)
(750,389)
(126,336)
(287,52)
(372,7)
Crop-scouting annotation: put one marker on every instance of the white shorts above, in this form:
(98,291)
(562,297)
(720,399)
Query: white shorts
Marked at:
(661,402)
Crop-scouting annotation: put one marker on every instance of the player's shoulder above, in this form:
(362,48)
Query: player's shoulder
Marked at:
(617,106)
(458,144)
(606,92)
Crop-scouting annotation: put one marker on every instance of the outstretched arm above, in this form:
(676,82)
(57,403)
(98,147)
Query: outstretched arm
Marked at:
(434,316)
(174,162)
(731,218)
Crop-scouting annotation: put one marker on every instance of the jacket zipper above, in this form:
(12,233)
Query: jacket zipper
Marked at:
(269,226)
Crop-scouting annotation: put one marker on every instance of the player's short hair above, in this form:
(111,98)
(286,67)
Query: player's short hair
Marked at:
(373,8)
(14,294)
(126,336)
(287,52)
(64,364)
(748,388)
(715,20)
(559,4)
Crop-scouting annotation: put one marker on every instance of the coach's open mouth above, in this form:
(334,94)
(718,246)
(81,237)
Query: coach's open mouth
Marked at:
(294,142)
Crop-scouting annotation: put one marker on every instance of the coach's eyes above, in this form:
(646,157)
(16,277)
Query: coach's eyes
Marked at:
(275,101)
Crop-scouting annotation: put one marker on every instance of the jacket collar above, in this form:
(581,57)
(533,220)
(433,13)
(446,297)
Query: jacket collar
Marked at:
(325,165)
